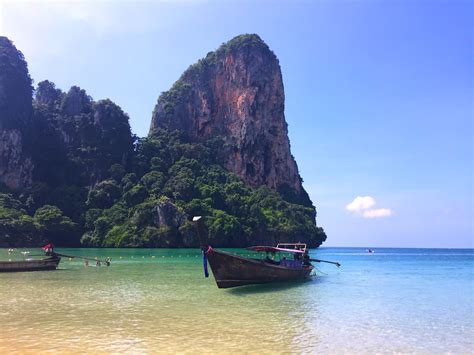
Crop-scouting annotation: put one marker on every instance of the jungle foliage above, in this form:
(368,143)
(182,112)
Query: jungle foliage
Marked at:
(180,179)
(148,203)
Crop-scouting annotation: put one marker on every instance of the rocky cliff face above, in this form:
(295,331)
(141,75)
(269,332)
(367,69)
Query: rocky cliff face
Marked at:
(66,152)
(15,117)
(15,167)
(236,93)
(87,136)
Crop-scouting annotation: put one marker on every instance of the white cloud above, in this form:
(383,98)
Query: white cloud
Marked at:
(362,206)
(375,213)
(360,203)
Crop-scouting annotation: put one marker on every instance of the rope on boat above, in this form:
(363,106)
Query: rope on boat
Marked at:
(315,268)
(98,261)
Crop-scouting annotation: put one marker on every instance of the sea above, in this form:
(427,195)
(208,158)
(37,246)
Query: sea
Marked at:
(158,301)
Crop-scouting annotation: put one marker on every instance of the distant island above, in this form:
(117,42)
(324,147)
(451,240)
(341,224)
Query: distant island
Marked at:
(72,172)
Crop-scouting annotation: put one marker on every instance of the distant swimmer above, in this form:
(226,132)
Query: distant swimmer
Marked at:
(370,251)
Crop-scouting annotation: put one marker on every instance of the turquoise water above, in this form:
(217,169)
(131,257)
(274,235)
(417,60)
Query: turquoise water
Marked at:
(157,300)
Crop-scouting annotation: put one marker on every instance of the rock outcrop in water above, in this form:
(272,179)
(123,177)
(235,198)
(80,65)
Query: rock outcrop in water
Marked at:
(236,93)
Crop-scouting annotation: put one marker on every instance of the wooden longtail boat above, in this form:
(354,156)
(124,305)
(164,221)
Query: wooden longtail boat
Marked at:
(50,263)
(231,270)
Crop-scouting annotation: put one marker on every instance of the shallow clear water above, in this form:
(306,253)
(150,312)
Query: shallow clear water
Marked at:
(157,300)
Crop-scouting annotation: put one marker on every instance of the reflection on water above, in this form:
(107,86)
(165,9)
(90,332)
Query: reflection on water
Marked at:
(264,288)
(153,300)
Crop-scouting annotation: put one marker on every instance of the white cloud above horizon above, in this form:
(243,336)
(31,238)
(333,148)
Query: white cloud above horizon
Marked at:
(361,203)
(362,206)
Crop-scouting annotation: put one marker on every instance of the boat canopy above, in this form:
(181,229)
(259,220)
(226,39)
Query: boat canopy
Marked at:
(268,249)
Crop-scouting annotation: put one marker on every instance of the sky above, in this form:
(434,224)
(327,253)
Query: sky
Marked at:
(379,94)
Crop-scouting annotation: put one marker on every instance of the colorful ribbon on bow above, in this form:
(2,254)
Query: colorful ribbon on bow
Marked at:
(204,261)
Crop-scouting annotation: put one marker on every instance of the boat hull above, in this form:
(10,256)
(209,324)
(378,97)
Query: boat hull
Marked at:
(232,270)
(30,265)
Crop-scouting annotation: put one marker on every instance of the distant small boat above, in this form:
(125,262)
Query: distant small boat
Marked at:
(50,263)
(370,251)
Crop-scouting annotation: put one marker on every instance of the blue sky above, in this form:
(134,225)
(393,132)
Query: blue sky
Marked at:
(379,94)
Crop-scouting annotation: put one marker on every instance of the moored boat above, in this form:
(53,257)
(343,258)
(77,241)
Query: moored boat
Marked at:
(288,262)
(50,263)
(231,270)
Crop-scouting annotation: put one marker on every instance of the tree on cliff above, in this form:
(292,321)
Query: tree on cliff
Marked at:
(18,228)
(55,227)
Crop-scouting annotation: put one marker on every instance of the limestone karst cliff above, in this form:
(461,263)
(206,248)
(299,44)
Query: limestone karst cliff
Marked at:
(236,93)
(72,172)
(85,135)
(15,117)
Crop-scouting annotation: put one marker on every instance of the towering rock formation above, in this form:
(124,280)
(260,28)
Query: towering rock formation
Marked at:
(86,136)
(79,155)
(15,116)
(237,93)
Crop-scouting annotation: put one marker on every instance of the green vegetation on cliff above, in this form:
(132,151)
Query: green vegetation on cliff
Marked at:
(174,179)
(95,184)
(150,202)
(18,228)
(77,139)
